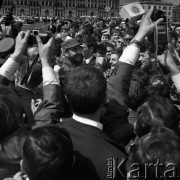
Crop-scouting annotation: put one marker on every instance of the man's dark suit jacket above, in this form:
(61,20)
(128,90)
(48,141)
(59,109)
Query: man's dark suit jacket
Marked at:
(90,141)
(52,28)
(94,144)
(115,120)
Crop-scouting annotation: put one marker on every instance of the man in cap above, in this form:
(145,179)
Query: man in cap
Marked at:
(73,57)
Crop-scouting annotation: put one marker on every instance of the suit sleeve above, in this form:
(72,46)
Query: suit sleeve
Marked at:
(115,120)
(52,108)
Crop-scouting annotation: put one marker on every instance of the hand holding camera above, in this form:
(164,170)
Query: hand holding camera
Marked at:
(32,39)
(21,43)
(46,51)
(147,26)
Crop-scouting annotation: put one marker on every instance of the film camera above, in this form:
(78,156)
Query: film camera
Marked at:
(32,39)
(8,18)
(161,34)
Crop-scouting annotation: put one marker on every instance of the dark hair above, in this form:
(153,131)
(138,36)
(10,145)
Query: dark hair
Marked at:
(101,48)
(156,110)
(140,76)
(74,25)
(108,44)
(85,89)
(87,29)
(90,42)
(161,146)
(157,86)
(174,35)
(11,112)
(116,52)
(48,153)
(137,94)
(58,42)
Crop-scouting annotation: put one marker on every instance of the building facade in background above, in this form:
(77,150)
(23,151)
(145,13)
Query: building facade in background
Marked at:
(77,8)
(176,13)
(63,8)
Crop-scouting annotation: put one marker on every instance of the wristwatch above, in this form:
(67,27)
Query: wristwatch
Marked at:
(137,43)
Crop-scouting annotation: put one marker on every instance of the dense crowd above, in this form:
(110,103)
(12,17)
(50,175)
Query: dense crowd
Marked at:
(92,102)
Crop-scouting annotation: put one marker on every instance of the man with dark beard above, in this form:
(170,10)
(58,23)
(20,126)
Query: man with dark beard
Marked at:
(73,57)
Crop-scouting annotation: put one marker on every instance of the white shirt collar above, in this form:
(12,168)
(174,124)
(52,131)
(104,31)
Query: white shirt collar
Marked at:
(88,121)
(89,59)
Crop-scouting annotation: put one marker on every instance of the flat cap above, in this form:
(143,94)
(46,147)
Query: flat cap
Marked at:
(69,44)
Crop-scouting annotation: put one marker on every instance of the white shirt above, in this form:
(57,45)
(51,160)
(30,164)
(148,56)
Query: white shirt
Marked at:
(88,60)
(88,121)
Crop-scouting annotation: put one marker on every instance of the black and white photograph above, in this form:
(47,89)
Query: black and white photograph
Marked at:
(89,89)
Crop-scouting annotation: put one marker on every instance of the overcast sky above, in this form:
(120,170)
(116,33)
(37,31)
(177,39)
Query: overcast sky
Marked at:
(176,2)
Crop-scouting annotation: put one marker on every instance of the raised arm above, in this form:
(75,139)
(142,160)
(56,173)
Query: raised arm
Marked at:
(11,65)
(52,107)
(115,120)
(118,86)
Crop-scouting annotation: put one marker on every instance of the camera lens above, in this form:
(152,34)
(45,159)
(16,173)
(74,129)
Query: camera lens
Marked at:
(36,33)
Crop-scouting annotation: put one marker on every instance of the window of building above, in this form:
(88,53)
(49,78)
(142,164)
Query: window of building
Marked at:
(169,8)
(149,7)
(164,8)
(169,13)
(42,3)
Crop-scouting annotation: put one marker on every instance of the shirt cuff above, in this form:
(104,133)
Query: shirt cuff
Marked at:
(130,55)
(49,76)
(176,80)
(9,68)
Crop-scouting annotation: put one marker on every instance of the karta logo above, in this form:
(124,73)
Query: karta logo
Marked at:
(115,168)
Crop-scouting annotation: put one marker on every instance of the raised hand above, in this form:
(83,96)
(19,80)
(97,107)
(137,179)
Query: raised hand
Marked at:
(21,43)
(167,60)
(146,26)
(46,51)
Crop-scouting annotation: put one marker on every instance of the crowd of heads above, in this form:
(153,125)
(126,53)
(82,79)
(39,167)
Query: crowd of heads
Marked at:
(48,150)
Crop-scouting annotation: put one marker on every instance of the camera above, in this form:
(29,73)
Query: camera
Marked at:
(32,38)
(162,34)
(35,32)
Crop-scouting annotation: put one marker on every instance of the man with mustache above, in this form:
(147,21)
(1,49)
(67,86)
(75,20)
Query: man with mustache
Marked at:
(73,57)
